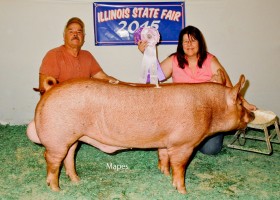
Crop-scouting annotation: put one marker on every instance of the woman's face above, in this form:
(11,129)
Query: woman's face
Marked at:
(190,45)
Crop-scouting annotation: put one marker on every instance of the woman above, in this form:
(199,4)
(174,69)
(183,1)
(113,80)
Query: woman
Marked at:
(191,63)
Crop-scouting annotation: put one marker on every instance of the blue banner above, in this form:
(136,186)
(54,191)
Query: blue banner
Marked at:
(116,22)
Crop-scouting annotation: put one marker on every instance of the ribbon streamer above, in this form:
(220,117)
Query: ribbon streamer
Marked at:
(150,67)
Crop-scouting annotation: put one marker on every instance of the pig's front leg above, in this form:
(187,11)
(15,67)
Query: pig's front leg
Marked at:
(69,164)
(179,156)
(163,161)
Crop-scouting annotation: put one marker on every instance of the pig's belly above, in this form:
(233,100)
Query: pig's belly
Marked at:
(130,138)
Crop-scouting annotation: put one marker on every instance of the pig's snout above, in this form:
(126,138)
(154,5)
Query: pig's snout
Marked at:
(248,117)
(251,116)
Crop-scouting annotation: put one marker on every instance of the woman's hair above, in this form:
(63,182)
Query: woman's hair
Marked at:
(195,33)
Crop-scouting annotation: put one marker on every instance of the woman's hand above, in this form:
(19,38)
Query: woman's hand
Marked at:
(219,77)
(142,45)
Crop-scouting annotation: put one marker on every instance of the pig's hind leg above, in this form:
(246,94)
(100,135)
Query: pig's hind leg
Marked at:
(54,156)
(69,163)
(179,157)
(163,161)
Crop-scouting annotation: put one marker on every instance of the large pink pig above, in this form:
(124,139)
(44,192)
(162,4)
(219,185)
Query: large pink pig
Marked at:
(174,118)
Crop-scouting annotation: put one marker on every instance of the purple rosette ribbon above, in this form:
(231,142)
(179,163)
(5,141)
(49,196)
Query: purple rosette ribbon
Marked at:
(137,35)
(151,71)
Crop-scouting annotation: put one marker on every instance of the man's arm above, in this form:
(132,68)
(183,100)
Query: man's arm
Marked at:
(102,75)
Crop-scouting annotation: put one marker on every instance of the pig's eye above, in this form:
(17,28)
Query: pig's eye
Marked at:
(240,103)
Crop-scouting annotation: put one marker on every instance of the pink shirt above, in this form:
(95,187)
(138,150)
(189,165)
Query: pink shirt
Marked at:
(186,75)
(61,65)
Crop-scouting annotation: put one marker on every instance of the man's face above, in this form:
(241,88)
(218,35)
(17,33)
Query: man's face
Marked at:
(74,36)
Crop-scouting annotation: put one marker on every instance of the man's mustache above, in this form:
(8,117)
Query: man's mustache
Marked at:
(75,38)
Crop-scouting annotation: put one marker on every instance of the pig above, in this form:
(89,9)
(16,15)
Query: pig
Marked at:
(174,119)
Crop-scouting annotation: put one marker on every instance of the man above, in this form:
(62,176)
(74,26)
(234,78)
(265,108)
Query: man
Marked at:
(67,62)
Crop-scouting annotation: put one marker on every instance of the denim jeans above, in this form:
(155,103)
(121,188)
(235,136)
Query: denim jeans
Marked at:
(212,145)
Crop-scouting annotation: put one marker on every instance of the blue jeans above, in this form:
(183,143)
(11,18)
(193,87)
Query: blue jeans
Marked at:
(212,145)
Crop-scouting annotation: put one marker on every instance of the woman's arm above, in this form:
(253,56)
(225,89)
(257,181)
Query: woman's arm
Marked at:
(166,66)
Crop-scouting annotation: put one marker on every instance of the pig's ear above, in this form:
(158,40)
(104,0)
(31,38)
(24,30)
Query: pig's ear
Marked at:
(234,91)
(241,81)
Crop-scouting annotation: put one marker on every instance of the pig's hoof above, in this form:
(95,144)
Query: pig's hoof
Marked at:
(164,170)
(180,189)
(55,188)
(75,179)
(73,176)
